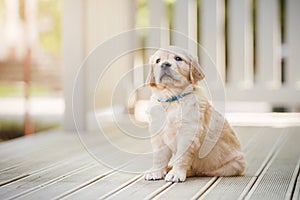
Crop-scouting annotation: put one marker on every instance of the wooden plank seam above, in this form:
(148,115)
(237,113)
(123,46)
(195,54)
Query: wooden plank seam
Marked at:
(294,184)
(122,187)
(269,160)
(53,181)
(84,185)
(263,165)
(92,181)
(158,191)
(296,192)
(61,162)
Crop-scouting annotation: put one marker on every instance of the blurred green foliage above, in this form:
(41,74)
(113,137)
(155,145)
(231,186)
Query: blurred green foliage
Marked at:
(49,12)
(142,15)
(8,89)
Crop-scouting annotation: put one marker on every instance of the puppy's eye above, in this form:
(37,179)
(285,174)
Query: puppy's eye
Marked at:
(177,58)
(157,61)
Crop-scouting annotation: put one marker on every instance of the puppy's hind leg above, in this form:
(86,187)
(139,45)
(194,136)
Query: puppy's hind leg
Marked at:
(235,167)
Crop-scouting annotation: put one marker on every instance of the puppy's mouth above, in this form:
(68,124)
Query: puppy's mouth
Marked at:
(166,76)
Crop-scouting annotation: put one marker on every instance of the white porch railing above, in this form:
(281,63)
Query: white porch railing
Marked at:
(254,46)
(228,30)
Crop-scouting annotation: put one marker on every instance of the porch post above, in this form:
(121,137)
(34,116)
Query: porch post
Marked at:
(73,55)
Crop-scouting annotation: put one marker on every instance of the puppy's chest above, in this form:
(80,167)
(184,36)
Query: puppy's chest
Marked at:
(173,115)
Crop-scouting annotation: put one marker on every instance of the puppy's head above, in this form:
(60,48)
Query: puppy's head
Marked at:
(173,67)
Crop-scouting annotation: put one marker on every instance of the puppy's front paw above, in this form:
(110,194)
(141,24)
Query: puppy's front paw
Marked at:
(176,175)
(155,175)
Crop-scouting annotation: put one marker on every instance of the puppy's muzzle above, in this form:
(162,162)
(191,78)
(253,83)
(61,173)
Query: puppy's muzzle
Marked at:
(165,65)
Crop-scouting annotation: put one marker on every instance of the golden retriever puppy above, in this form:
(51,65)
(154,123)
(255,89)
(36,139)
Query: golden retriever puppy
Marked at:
(187,134)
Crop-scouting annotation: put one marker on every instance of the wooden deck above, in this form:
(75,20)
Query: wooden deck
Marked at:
(55,165)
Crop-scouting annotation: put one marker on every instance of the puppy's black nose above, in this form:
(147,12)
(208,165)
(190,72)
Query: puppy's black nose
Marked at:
(165,65)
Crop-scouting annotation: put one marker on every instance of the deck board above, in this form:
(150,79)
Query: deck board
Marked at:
(277,175)
(47,176)
(69,184)
(42,158)
(56,164)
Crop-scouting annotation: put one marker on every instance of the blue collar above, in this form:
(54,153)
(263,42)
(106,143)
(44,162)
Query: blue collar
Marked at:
(174,98)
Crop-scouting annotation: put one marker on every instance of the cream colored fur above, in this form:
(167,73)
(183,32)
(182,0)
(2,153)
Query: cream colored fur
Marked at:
(181,128)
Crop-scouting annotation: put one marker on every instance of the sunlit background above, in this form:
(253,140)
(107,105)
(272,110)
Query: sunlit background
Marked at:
(31,58)
(30,66)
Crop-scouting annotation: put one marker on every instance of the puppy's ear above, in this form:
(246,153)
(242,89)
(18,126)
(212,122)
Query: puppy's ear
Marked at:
(151,77)
(196,73)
